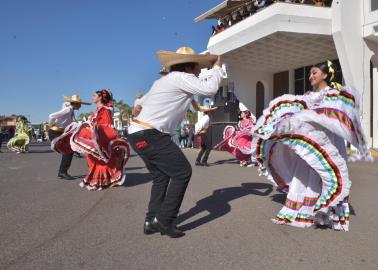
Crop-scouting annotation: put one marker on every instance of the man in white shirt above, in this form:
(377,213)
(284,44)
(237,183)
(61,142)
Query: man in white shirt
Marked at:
(58,121)
(162,109)
(201,128)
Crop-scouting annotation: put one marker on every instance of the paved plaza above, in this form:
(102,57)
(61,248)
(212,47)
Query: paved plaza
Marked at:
(47,223)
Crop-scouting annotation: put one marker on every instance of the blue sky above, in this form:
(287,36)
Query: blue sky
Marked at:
(51,48)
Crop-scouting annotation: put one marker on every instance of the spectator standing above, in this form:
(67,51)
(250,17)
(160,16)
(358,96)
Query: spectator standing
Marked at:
(1,138)
(319,3)
(204,137)
(191,136)
(183,137)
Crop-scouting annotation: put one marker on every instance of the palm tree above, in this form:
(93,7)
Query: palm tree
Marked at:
(84,116)
(124,110)
(191,116)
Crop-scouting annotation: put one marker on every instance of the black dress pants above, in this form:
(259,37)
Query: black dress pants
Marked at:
(206,146)
(170,169)
(65,163)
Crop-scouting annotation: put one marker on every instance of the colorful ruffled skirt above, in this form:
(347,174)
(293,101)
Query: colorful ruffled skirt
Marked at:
(106,153)
(299,143)
(19,143)
(106,156)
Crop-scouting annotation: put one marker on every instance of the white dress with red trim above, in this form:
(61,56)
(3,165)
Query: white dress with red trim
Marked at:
(238,140)
(299,144)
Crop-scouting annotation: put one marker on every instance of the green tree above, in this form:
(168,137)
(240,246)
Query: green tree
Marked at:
(192,117)
(84,116)
(124,109)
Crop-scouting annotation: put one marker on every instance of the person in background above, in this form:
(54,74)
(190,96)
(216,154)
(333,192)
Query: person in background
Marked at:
(1,138)
(191,136)
(204,137)
(319,3)
(58,121)
(183,136)
(20,142)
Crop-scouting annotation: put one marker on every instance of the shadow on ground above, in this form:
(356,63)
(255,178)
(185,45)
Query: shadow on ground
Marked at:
(217,204)
(135,179)
(40,151)
(226,161)
(133,168)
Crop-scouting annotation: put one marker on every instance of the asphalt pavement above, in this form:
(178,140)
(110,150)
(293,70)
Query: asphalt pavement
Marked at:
(48,223)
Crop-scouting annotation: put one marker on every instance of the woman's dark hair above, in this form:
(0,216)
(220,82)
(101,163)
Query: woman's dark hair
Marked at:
(325,69)
(182,67)
(105,95)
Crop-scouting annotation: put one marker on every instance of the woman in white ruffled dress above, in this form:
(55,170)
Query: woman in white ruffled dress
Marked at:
(300,145)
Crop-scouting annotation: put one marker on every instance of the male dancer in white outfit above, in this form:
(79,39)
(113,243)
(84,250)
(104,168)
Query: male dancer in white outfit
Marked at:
(162,109)
(58,121)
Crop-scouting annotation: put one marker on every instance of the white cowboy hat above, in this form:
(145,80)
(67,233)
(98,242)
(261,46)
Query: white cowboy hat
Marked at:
(185,55)
(242,107)
(75,99)
(207,108)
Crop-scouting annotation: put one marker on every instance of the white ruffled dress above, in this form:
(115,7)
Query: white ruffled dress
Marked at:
(299,142)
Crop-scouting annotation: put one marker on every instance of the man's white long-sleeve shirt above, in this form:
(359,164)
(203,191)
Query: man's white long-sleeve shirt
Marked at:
(62,118)
(165,105)
(203,123)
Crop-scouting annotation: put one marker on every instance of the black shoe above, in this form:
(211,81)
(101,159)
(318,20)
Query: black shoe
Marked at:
(169,230)
(198,163)
(65,176)
(150,227)
(205,164)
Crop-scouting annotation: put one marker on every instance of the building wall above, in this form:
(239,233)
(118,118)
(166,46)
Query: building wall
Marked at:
(349,18)
(245,81)
(354,28)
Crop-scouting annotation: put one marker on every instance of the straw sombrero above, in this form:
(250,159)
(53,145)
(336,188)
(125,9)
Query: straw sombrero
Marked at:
(75,99)
(207,108)
(185,55)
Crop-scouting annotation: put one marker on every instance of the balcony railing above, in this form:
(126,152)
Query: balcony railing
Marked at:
(255,6)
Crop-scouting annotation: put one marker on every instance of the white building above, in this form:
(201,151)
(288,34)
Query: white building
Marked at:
(270,52)
(117,123)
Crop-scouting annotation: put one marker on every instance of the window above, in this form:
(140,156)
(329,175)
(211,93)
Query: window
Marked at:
(374,5)
(302,77)
(299,81)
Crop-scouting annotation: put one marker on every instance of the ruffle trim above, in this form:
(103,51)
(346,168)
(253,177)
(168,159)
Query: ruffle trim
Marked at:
(316,149)
(97,184)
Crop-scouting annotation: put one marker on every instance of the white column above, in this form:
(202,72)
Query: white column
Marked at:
(375,108)
(353,52)
(366,94)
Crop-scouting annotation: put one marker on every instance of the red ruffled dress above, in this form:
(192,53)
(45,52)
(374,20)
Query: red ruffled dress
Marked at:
(106,153)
